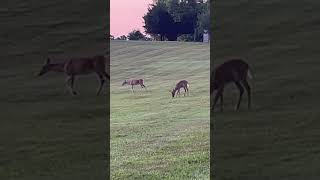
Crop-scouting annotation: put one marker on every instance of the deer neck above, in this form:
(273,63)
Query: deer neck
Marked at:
(57,67)
(174,91)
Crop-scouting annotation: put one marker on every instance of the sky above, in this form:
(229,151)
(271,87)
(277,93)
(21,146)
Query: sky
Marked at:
(126,15)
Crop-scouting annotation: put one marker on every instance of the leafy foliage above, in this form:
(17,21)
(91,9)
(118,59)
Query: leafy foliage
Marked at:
(172,18)
(159,21)
(136,35)
(123,37)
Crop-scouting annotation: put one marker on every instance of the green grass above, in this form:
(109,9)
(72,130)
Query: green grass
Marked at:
(152,135)
(278,138)
(45,133)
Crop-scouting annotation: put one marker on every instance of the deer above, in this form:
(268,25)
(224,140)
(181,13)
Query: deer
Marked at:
(232,71)
(181,84)
(79,66)
(134,82)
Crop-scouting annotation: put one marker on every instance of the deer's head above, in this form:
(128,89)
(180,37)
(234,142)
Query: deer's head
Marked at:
(45,67)
(173,92)
(124,82)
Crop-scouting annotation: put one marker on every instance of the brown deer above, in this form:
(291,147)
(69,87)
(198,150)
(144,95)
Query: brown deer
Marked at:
(181,84)
(236,71)
(134,82)
(79,66)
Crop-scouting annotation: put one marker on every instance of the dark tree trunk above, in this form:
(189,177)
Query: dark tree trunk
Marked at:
(161,37)
(172,37)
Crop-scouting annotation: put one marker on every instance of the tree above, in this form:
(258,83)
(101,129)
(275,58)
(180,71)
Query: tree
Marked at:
(203,22)
(192,16)
(136,35)
(172,18)
(159,21)
(188,16)
(123,37)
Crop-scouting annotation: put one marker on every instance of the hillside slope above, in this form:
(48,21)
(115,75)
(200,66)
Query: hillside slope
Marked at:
(152,135)
(45,133)
(278,138)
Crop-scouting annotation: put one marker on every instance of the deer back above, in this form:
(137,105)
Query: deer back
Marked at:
(232,70)
(136,81)
(140,81)
(133,81)
(85,65)
(181,84)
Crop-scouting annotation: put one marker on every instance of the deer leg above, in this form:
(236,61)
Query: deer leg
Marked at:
(241,92)
(187,90)
(70,83)
(132,88)
(216,98)
(221,102)
(106,75)
(101,83)
(246,85)
(144,86)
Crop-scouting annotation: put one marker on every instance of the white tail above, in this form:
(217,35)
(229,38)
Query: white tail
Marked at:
(249,74)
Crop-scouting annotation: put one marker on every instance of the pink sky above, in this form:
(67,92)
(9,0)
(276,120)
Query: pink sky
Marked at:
(126,15)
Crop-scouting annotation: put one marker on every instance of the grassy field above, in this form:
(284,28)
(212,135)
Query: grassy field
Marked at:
(278,138)
(45,133)
(152,135)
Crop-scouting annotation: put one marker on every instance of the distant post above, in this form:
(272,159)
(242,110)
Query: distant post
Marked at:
(206,37)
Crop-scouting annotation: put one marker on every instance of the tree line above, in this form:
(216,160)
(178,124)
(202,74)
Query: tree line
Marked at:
(174,20)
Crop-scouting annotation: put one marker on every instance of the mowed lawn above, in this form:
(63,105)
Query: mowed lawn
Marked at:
(45,133)
(152,135)
(279,137)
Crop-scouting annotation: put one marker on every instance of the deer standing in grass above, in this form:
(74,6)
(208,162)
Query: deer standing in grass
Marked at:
(79,66)
(181,84)
(236,71)
(134,82)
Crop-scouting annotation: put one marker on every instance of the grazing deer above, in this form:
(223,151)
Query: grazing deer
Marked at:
(79,66)
(181,84)
(236,71)
(134,82)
